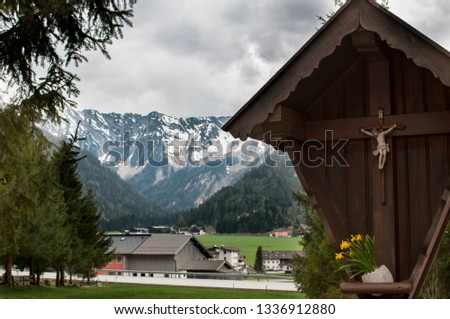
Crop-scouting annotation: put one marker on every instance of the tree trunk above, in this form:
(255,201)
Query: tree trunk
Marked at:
(70,277)
(57,277)
(31,279)
(38,279)
(8,271)
(61,276)
(38,272)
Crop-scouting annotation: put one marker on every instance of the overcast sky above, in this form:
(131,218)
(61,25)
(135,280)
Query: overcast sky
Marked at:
(208,57)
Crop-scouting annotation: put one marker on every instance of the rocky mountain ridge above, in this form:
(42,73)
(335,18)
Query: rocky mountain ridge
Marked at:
(176,163)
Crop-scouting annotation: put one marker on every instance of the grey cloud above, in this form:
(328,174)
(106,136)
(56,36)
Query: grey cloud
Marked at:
(208,57)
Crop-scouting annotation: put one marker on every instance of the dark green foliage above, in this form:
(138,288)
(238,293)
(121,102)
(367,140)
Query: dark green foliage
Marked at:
(443,261)
(32,35)
(128,210)
(32,209)
(259,202)
(44,235)
(94,248)
(258,260)
(315,274)
(437,284)
(89,249)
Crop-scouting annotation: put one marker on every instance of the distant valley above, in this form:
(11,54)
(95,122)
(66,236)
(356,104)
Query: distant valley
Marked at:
(156,169)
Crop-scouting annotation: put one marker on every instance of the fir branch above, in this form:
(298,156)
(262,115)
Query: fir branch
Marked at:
(74,138)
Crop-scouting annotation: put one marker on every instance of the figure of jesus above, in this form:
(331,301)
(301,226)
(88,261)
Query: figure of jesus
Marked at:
(382,147)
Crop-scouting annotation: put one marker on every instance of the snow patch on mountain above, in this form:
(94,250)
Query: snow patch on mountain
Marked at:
(175,162)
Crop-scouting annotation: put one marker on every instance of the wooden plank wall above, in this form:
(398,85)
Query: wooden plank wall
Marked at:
(417,170)
(422,163)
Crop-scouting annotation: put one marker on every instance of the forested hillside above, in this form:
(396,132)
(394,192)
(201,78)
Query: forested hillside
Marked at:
(120,205)
(257,203)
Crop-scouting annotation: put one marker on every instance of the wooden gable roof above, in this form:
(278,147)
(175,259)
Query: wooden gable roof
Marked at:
(355,15)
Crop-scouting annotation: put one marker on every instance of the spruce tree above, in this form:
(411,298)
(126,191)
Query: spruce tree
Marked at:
(51,35)
(258,260)
(94,247)
(67,161)
(23,150)
(43,236)
(315,274)
(89,249)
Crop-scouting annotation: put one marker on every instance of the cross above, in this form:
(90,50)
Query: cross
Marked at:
(379,132)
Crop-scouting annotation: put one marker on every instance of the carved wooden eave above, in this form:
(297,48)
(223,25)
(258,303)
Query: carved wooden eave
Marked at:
(355,15)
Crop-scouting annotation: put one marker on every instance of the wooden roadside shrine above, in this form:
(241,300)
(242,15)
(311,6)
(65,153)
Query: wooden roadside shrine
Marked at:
(363,110)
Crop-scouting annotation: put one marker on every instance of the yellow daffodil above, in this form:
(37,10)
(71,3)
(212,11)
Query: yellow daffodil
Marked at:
(339,256)
(358,254)
(345,245)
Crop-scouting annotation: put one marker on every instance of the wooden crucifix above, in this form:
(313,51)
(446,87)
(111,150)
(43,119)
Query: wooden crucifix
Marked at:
(379,132)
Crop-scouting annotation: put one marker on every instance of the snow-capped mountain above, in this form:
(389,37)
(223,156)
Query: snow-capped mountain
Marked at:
(175,162)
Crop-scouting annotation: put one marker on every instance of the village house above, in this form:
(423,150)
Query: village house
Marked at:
(280,233)
(230,254)
(139,231)
(192,230)
(162,229)
(145,254)
(280,260)
(123,246)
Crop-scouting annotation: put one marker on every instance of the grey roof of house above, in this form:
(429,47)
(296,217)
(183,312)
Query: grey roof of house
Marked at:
(281,254)
(153,245)
(207,265)
(230,248)
(125,245)
(225,248)
(162,245)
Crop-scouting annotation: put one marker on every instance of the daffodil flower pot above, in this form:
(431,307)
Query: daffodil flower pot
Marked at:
(381,274)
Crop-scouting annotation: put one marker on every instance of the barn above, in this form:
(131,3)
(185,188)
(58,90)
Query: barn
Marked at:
(160,254)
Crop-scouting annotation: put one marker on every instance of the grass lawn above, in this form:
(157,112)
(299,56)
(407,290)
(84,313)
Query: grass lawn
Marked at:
(248,243)
(133,291)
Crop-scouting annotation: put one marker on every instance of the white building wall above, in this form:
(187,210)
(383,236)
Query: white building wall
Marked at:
(271,264)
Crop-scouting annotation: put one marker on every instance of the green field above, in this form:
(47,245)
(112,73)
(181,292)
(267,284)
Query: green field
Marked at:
(133,291)
(248,243)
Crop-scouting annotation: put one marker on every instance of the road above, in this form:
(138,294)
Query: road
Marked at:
(232,284)
(210,283)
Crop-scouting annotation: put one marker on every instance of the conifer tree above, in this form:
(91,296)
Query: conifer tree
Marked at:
(89,249)
(43,236)
(94,247)
(32,34)
(315,274)
(20,143)
(67,159)
(258,260)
